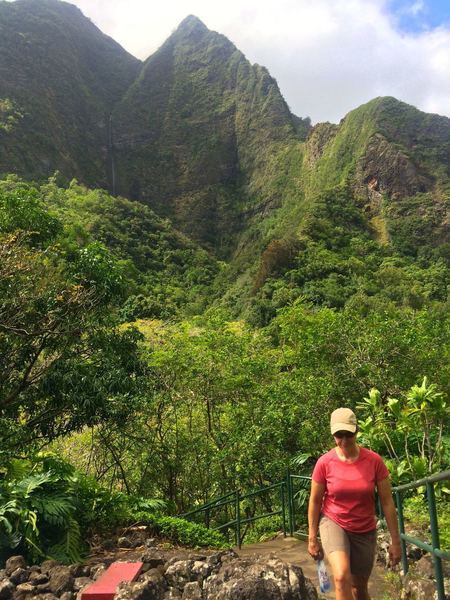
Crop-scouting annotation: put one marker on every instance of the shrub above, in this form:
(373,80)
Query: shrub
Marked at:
(180,531)
(38,514)
(47,508)
(416,513)
(264,529)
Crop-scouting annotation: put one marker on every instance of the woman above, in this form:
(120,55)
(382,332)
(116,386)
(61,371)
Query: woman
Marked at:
(342,506)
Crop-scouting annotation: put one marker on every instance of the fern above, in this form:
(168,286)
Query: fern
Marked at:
(147,504)
(43,502)
(31,483)
(10,508)
(17,469)
(54,509)
(9,541)
(68,550)
(37,512)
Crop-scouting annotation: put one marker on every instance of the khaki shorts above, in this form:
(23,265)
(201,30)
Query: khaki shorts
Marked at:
(359,546)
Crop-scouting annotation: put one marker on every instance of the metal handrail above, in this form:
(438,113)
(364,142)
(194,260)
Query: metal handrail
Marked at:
(442,476)
(435,548)
(287,502)
(211,504)
(235,498)
(263,489)
(225,525)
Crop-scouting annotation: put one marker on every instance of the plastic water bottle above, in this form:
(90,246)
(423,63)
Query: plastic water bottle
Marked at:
(324,580)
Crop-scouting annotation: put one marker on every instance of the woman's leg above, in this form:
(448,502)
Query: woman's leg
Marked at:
(340,565)
(362,557)
(360,590)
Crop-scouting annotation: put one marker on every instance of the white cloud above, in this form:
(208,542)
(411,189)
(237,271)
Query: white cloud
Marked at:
(328,56)
(415,8)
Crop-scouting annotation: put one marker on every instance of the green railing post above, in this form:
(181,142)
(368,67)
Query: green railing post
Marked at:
(283,508)
(435,540)
(287,500)
(290,503)
(207,517)
(401,522)
(238,518)
(293,505)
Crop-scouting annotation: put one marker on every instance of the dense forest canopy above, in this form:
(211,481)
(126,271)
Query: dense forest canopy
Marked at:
(192,278)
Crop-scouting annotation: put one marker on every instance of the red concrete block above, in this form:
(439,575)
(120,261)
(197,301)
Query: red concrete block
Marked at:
(105,586)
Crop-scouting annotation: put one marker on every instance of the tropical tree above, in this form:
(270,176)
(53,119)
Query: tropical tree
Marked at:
(409,429)
(64,360)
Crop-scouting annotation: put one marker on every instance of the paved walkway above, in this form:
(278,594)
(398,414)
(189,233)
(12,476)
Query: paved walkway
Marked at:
(294,551)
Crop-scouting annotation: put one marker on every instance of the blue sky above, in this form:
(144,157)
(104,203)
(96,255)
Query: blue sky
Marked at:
(420,15)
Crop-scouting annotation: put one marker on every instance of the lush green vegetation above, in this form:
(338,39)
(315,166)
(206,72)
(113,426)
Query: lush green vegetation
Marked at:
(65,361)
(164,372)
(162,274)
(333,260)
(231,407)
(68,363)
(48,510)
(187,409)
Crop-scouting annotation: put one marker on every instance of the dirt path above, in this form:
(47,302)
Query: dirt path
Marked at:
(294,551)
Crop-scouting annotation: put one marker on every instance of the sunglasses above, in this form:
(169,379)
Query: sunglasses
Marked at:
(343,434)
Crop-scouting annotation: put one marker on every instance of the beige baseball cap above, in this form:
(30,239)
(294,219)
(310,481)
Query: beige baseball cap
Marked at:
(343,419)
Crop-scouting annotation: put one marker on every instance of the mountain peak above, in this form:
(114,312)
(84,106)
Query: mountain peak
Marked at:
(192,23)
(42,5)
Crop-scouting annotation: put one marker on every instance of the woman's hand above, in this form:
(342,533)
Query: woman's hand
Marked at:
(395,553)
(315,549)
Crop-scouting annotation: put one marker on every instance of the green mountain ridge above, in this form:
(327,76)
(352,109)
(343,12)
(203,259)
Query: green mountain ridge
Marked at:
(206,139)
(194,133)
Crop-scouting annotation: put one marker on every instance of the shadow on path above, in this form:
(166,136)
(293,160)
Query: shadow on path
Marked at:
(294,551)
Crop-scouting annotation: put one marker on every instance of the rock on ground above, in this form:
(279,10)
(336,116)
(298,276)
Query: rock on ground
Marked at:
(219,576)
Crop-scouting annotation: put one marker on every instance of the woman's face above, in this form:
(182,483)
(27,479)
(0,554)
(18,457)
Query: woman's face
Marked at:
(344,439)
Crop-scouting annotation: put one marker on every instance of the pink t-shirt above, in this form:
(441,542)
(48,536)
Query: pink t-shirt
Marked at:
(349,498)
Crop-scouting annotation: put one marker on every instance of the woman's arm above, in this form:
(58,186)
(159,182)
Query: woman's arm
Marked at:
(315,504)
(390,514)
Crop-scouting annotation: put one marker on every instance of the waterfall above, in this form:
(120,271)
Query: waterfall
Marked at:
(111,153)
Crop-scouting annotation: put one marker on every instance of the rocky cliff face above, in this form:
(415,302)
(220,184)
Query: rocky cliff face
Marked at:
(386,152)
(194,131)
